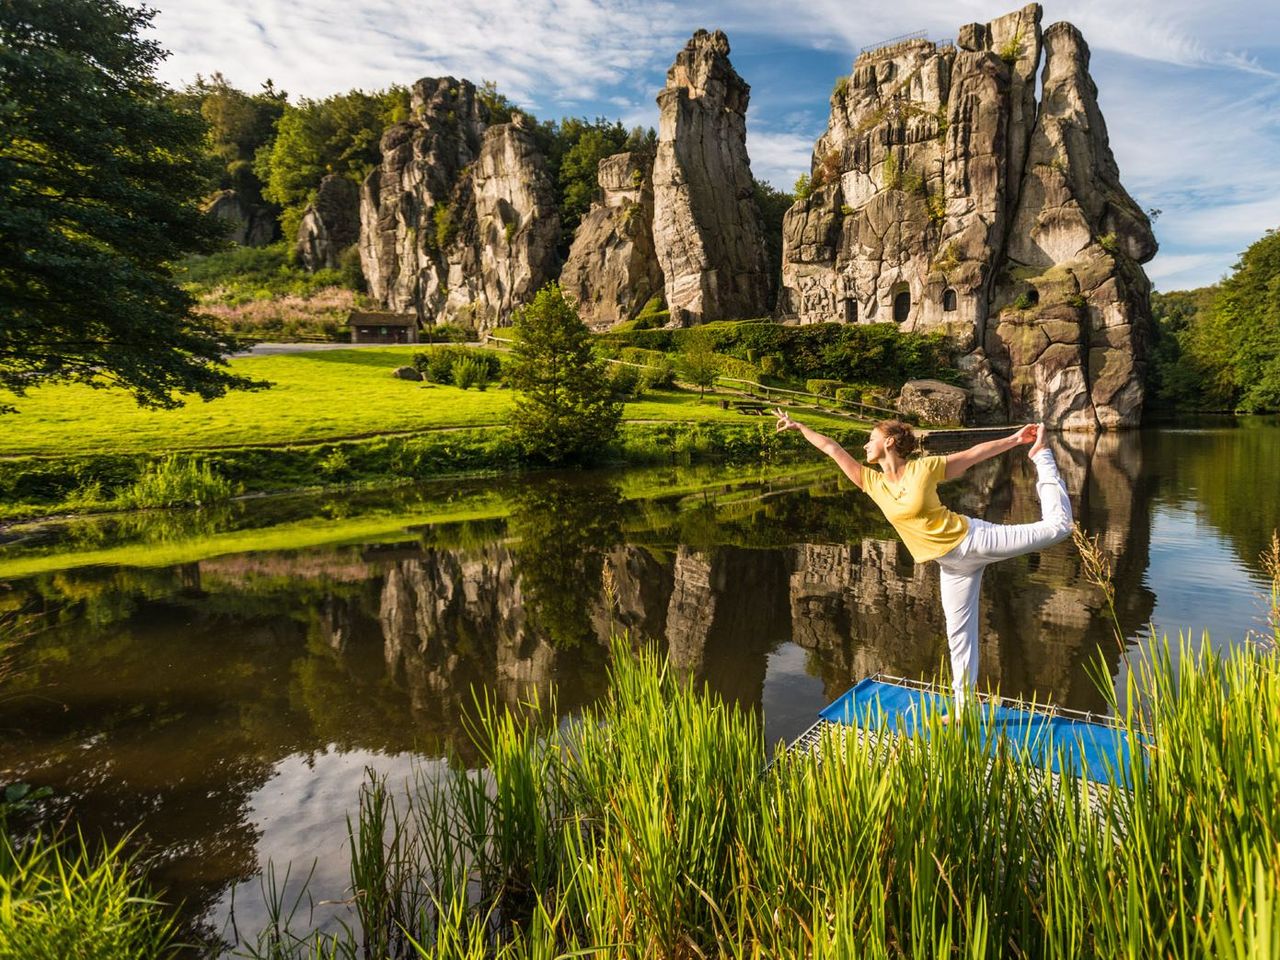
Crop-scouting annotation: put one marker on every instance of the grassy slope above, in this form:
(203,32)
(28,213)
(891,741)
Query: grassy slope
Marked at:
(315,396)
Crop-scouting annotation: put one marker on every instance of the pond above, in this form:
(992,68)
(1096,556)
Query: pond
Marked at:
(221,680)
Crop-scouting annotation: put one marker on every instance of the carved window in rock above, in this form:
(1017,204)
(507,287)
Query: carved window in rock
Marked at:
(851,311)
(901,303)
(949,300)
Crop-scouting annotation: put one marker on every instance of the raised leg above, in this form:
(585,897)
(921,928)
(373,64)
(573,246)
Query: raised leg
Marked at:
(993,542)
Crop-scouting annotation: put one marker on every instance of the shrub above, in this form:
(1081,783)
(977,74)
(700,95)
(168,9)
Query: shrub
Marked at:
(823,387)
(772,365)
(864,394)
(1024,301)
(640,355)
(176,481)
(469,372)
(803,187)
(653,314)
(736,369)
(438,364)
(451,333)
(624,380)
(1109,242)
(660,374)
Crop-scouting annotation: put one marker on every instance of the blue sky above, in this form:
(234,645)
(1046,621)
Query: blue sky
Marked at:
(1190,91)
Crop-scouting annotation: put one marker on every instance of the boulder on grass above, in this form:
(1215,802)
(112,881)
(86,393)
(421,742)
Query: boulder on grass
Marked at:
(934,402)
(406,373)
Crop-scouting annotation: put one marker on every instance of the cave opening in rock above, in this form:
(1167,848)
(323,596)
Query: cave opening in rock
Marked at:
(948,300)
(901,306)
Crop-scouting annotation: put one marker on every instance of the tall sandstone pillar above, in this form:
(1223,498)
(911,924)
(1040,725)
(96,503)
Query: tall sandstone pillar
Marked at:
(707,228)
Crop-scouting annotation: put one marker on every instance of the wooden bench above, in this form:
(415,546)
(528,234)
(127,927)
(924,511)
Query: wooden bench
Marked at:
(750,407)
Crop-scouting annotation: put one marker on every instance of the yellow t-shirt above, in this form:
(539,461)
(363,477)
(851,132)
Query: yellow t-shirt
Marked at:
(927,527)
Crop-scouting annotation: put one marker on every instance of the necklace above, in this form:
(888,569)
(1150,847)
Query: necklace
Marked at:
(896,487)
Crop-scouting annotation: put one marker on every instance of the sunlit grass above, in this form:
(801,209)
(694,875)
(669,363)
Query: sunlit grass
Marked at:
(63,898)
(323,395)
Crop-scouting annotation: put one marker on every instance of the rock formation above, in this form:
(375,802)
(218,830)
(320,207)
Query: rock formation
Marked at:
(933,401)
(330,224)
(942,197)
(612,269)
(707,229)
(248,224)
(459,223)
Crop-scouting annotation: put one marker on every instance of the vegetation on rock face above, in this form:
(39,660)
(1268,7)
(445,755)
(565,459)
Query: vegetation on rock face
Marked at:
(340,134)
(1218,348)
(97,198)
(773,204)
(239,125)
(565,411)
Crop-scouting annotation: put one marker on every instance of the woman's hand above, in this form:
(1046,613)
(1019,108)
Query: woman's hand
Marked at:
(784,420)
(1027,434)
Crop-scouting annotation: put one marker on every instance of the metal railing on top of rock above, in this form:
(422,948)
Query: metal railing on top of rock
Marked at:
(893,41)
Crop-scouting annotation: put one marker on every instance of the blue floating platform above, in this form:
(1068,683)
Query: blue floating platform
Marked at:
(1069,743)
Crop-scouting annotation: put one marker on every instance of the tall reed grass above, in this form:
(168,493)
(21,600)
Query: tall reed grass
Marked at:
(645,828)
(63,899)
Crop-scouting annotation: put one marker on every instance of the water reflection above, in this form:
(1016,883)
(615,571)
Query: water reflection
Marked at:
(229,703)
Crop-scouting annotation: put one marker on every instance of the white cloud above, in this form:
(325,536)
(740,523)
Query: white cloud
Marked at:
(535,50)
(1185,271)
(778,157)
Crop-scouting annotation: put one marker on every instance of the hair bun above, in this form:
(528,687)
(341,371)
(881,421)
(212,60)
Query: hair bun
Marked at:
(905,442)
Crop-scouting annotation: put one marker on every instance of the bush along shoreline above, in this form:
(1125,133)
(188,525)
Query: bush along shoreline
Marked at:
(33,487)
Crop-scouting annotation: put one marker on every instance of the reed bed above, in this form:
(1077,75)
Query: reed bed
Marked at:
(646,828)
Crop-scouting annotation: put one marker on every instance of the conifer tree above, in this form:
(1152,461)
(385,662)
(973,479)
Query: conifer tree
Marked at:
(565,411)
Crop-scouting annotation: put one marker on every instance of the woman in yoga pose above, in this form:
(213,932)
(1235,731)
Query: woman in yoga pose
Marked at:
(907,491)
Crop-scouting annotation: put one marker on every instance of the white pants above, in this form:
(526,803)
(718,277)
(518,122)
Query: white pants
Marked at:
(960,570)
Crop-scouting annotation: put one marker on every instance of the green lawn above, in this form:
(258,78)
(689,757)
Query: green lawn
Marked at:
(324,395)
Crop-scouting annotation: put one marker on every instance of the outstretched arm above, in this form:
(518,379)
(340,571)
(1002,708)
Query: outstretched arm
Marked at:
(958,463)
(851,467)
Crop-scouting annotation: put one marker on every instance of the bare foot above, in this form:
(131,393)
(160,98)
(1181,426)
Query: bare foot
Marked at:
(1042,441)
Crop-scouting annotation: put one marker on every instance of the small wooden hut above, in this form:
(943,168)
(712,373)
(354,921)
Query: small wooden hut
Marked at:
(382,327)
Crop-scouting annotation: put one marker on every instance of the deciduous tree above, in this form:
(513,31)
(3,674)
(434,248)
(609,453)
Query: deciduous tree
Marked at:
(100,175)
